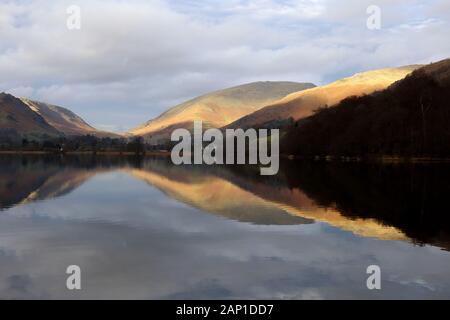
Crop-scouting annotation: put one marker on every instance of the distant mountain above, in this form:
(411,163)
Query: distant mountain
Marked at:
(410,118)
(21,117)
(302,104)
(60,118)
(64,120)
(18,119)
(218,108)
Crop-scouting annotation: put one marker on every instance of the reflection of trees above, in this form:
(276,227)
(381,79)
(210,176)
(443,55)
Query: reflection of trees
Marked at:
(50,177)
(413,198)
(370,200)
(30,178)
(410,198)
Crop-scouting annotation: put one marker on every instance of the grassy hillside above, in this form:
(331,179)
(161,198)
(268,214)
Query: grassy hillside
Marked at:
(219,108)
(302,104)
(410,118)
(17,119)
(64,120)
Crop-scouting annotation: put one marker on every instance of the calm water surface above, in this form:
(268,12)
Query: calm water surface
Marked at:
(145,229)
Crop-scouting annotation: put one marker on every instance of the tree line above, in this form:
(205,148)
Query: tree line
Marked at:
(86,143)
(411,118)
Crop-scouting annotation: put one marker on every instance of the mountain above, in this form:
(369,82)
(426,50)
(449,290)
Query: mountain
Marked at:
(60,118)
(64,120)
(21,117)
(218,108)
(410,118)
(302,104)
(18,119)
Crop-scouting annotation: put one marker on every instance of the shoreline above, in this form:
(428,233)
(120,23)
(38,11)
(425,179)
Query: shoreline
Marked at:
(377,159)
(108,153)
(165,153)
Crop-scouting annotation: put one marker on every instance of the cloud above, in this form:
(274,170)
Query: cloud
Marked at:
(136,58)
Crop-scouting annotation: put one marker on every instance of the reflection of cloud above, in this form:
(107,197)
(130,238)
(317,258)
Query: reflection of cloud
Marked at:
(205,289)
(133,242)
(311,295)
(414,282)
(19,283)
(251,202)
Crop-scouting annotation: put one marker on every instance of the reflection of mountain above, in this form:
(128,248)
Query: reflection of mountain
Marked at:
(238,196)
(213,194)
(31,178)
(298,203)
(413,198)
(382,201)
(392,202)
(23,185)
(62,183)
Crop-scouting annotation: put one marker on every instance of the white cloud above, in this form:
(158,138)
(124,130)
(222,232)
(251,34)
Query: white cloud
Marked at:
(134,59)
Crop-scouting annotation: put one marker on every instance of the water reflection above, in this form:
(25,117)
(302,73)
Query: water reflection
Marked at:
(40,178)
(392,202)
(164,231)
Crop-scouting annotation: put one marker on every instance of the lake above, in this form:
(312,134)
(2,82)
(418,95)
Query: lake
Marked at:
(146,229)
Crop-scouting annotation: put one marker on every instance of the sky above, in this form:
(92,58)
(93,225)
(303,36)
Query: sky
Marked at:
(131,60)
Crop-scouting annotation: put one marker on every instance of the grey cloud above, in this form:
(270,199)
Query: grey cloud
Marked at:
(134,59)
